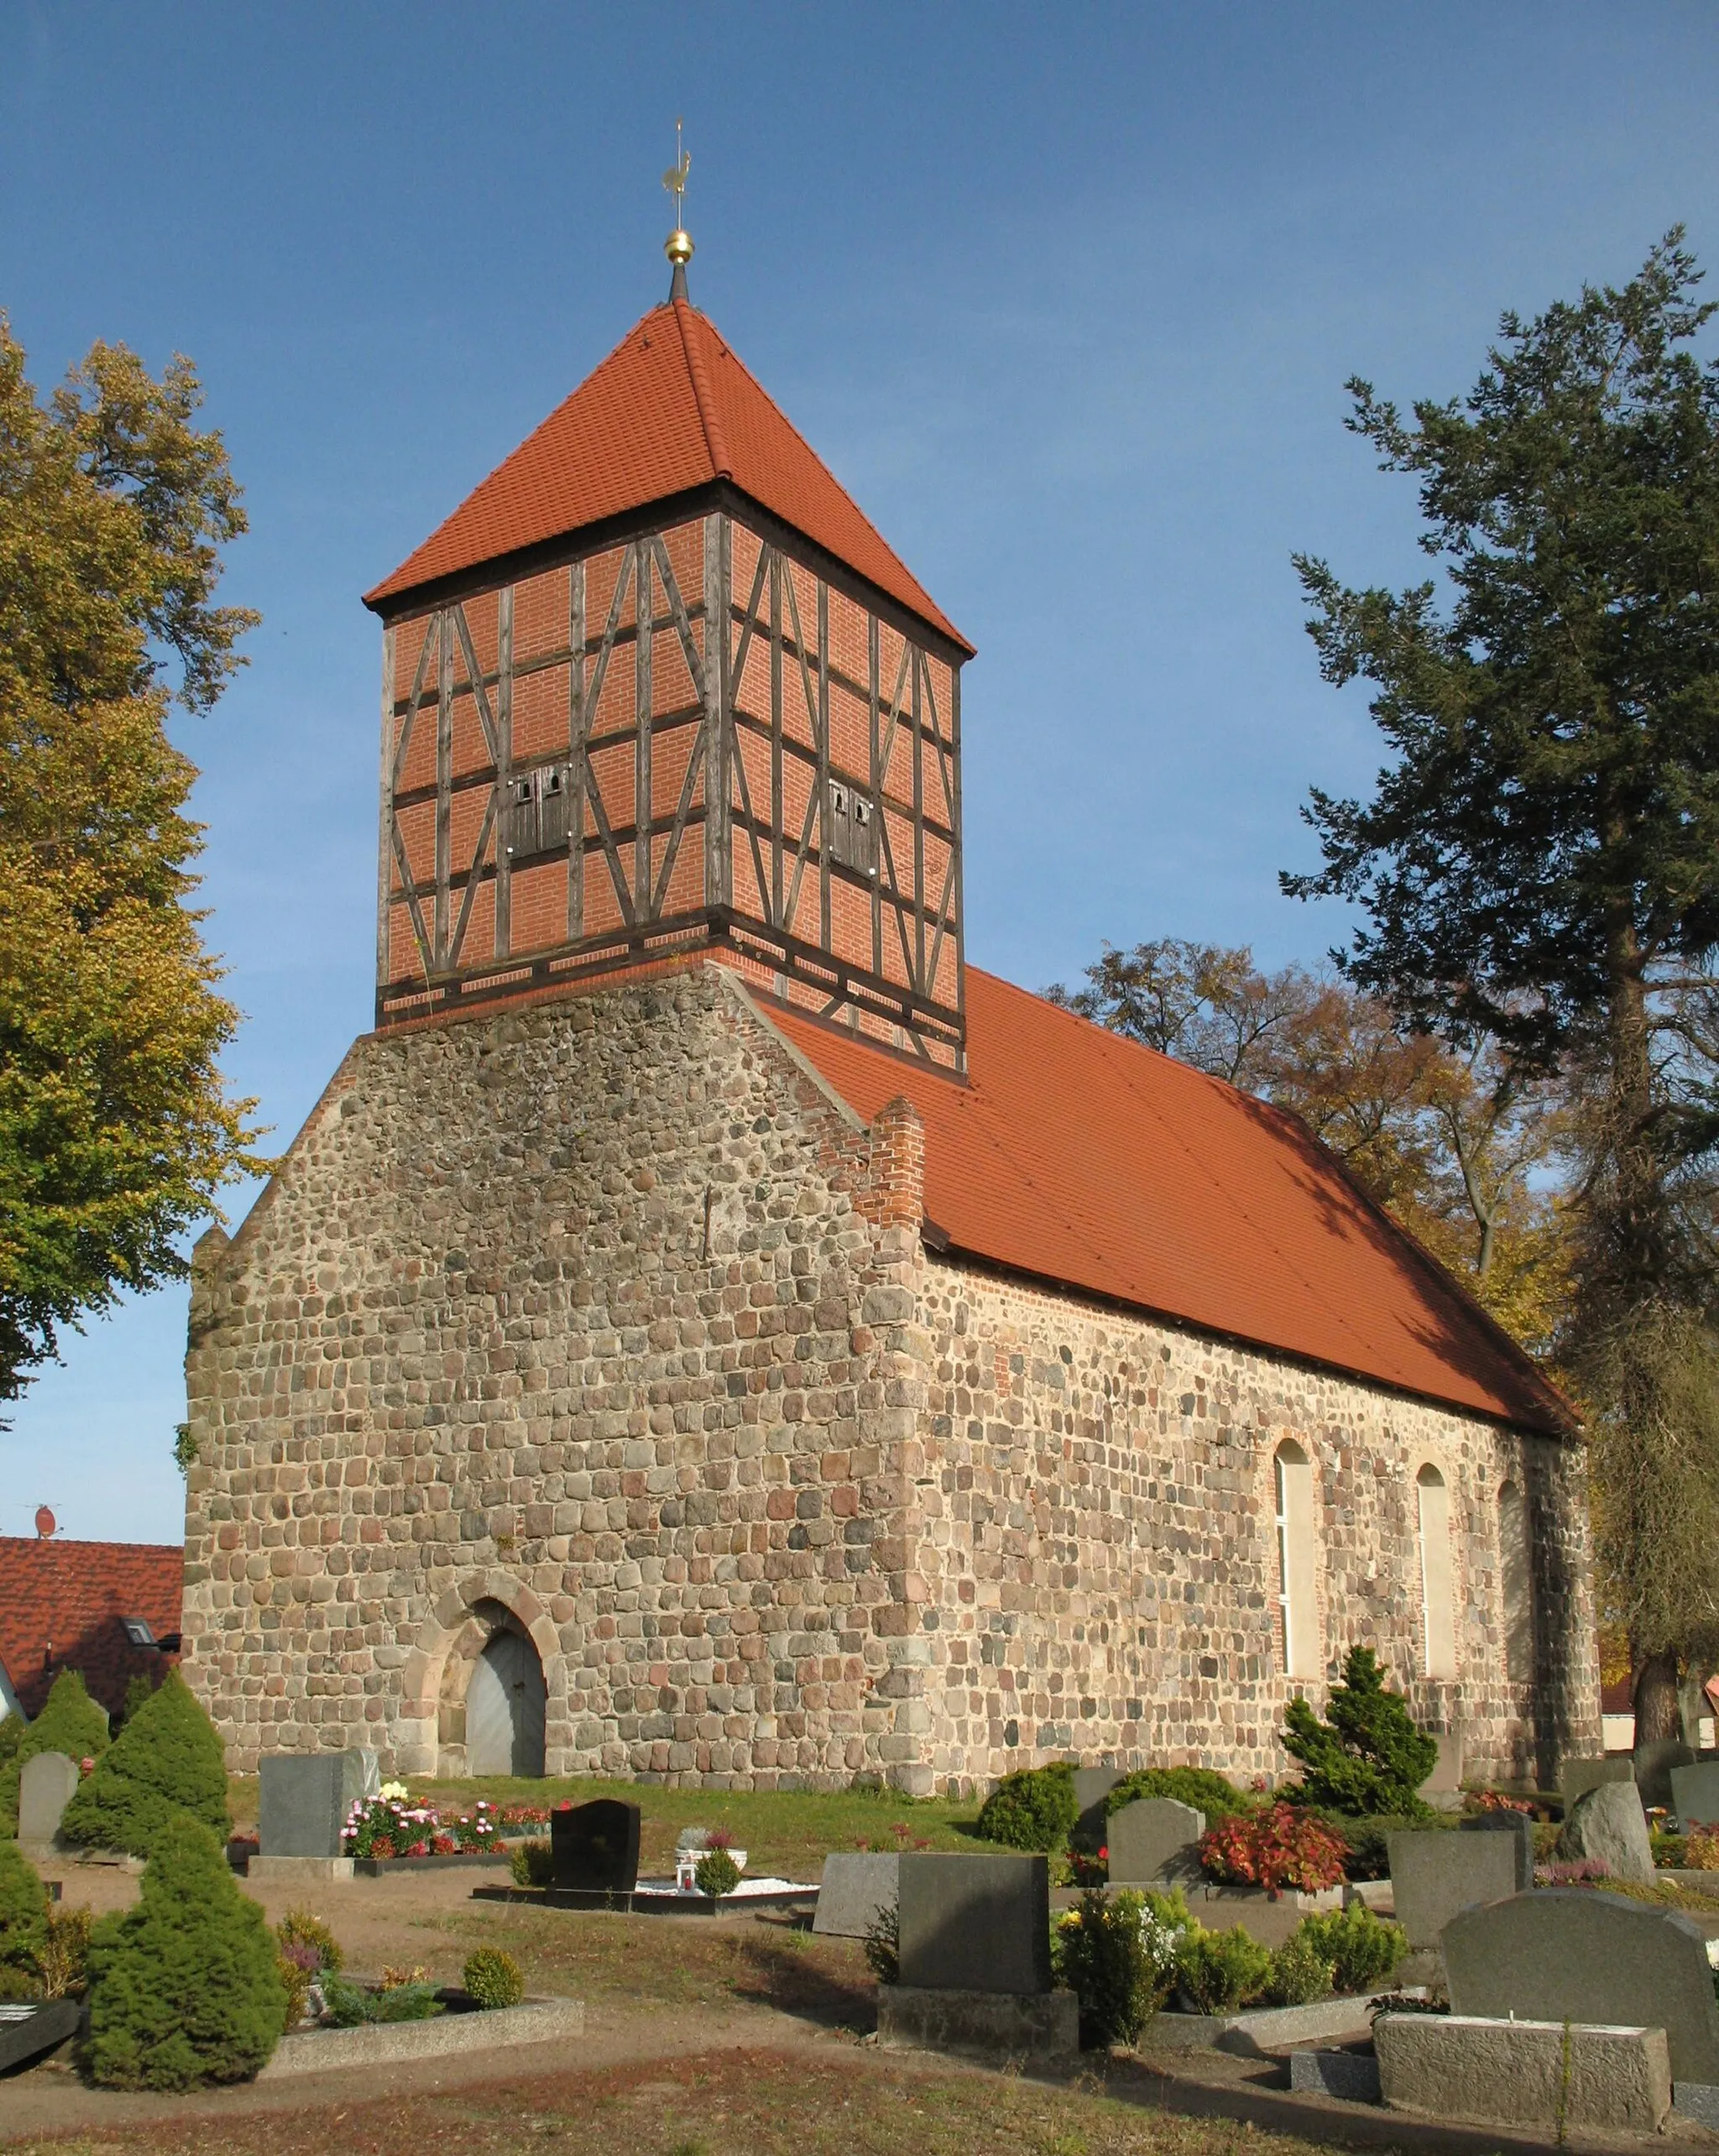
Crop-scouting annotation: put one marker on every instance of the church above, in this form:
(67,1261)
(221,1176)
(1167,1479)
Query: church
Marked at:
(708,1330)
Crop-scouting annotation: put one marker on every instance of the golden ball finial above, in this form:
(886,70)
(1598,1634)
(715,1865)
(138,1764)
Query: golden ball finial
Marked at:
(678,247)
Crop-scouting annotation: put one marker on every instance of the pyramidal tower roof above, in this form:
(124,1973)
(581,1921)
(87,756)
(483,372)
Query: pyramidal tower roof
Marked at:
(671,409)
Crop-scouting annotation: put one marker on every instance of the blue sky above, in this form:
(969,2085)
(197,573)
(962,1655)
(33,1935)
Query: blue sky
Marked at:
(1066,297)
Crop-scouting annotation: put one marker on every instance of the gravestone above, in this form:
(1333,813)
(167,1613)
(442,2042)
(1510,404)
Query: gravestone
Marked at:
(1654,1763)
(1152,1842)
(1579,1776)
(1609,1826)
(1694,1795)
(306,1797)
(1439,1871)
(974,1923)
(45,1787)
(857,1888)
(1092,1785)
(1443,1787)
(1575,1953)
(1520,1828)
(595,1847)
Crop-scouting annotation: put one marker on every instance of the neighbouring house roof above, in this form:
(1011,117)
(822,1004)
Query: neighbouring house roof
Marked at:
(670,409)
(61,1607)
(1084,1160)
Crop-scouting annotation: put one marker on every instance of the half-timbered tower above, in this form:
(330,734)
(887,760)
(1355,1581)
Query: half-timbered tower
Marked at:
(707,1330)
(658,685)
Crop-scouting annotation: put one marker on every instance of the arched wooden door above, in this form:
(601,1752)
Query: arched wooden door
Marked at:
(504,1709)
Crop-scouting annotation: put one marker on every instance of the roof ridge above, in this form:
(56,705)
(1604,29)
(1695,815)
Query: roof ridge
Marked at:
(704,392)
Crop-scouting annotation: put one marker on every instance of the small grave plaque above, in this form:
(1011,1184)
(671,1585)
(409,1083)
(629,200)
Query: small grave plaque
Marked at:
(305,1800)
(45,1787)
(1152,1842)
(595,1847)
(976,1923)
(1694,1795)
(1438,1871)
(1574,1953)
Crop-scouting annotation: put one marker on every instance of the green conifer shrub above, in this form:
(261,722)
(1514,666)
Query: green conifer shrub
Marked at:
(1363,1949)
(184,1986)
(1221,1971)
(1033,1808)
(23,1916)
(1369,1757)
(493,1978)
(166,1761)
(70,1722)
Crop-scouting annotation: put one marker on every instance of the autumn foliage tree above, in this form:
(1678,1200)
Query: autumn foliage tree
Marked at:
(116,1131)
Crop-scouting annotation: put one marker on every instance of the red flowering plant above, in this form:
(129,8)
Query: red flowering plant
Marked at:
(1088,1869)
(1494,1800)
(1284,1846)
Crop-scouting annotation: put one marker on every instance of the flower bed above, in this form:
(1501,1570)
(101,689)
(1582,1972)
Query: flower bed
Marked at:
(390,1825)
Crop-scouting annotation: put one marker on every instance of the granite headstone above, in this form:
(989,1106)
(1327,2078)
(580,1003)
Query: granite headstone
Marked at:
(1092,1785)
(595,1847)
(1152,1842)
(1654,1762)
(858,1887)
(1520,1828)
(45,1787)
(306,1797)
(974,1923)
(1578,1776)
(1438,1871)
(1575,1954)
(1695,1794)
(1608,1827)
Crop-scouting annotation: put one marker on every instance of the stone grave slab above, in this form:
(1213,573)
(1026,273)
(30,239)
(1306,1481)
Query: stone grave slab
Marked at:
(1575,1954)
(595,1847)
(1152,1842)
(974,1923)
(1579,1776)
(1654,1763)
(1092,1785)
(306,1797)
(1438,1871)
(1525,2072)
(1520,1828)
(1695,1794)
(1608,1826)
(857,1887)
(45,1787)
(988,2024)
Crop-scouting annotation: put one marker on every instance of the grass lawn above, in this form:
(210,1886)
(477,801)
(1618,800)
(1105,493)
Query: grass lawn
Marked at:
(841,2101)
(785,1832)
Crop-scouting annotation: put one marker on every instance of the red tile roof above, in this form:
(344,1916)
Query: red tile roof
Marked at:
(671,408)
(1084,1159)
(65,1599)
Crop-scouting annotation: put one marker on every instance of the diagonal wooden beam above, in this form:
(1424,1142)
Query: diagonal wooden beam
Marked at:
(410,892)
(473,879)
(486,716)
(406,732)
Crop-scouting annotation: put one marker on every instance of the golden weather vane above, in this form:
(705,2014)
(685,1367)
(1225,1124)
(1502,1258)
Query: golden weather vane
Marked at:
(678,245)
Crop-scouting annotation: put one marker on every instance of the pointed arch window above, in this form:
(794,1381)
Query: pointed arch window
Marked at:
(1438,1612)
(1292,1480)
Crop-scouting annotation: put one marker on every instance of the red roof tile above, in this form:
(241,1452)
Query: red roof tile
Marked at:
(60,1604)
(1084,1159)
(671,408)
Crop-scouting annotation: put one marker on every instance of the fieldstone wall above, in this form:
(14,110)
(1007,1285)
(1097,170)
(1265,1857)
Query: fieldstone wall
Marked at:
(606,1314)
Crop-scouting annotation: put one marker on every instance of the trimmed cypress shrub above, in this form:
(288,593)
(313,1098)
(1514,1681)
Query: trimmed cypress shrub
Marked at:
(1033,1808)
(1206,1791)
(493,1978)
(70,1722)
(166,1761)
(185,1989)
(24,1916)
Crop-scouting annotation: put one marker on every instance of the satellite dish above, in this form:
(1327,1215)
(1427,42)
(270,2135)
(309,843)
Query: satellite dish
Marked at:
(45,1522)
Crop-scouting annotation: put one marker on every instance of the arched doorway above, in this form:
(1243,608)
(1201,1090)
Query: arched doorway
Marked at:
(505,1708)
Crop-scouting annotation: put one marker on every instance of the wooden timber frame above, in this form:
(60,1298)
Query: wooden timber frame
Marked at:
(894,979)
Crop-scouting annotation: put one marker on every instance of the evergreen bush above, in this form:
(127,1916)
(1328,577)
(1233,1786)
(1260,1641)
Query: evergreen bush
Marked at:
(185,1988)
(1299,1972)
(352,2006)
(1199,1787)
(70,1722)
(493,1978)
(1221,1971)
(1033,1808)
(166,1761)
(1363,1949)
(883,1944)
(1369,1757)
(532,1864)
(716,1874)
(23,1913)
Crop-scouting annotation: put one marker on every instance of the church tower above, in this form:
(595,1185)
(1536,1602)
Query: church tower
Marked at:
(657,688)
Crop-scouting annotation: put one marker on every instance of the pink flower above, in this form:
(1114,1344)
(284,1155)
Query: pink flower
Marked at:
(86,1766)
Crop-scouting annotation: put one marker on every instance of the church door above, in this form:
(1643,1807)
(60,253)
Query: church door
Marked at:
(504,1709)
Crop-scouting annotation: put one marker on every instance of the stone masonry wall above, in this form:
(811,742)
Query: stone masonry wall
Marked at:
(607,1319)
(1093,1553)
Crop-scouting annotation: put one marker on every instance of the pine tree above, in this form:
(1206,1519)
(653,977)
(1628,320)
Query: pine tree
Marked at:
(1370,1758)
(184,1987)
(167,1761)
(70,1722)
